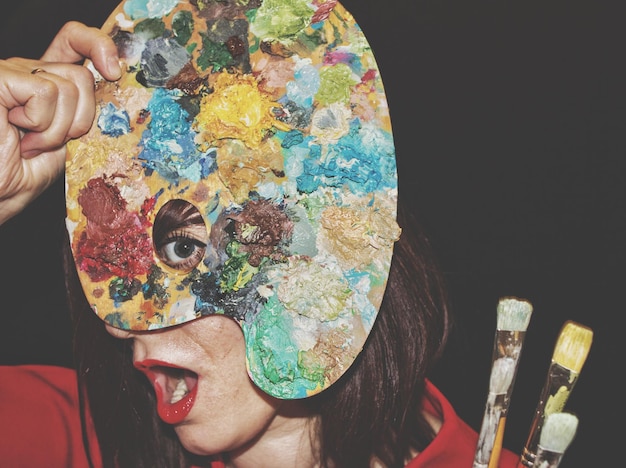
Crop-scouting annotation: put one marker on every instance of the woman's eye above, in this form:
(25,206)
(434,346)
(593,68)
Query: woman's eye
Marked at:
(182,248)
(182,253)
(180,236)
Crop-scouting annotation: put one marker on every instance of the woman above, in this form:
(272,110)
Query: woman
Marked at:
(247,283)
(231,218)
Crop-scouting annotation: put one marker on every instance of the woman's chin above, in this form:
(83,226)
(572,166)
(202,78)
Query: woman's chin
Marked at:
(196,443)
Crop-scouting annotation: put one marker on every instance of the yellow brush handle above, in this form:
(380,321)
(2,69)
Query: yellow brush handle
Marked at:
(494,459)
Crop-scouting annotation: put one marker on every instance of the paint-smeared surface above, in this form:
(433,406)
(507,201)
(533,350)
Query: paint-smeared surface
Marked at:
(270,119)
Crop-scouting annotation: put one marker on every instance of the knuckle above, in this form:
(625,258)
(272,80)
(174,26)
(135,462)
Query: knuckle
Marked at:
(84,77)
(71,27)
(67,89)
(48,90)
(79,128)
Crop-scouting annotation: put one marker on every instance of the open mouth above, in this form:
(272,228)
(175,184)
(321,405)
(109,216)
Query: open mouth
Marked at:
(175,383)
(175,389)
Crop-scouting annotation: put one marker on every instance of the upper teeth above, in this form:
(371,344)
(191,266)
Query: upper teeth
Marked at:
(180,391)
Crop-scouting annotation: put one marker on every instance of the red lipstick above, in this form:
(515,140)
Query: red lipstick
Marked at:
(175,389)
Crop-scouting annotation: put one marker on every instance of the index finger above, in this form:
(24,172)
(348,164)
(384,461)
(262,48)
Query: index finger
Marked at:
(76,41)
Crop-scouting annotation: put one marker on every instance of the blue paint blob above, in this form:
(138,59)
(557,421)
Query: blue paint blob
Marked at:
(359,160)
(114,122)
(168,143)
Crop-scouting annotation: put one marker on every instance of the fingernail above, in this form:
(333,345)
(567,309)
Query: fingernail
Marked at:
(113,65)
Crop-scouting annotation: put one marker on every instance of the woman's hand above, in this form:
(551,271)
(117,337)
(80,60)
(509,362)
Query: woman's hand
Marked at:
(43,104)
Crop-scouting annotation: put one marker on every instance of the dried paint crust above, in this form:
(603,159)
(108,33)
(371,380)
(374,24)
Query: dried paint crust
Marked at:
(269,118)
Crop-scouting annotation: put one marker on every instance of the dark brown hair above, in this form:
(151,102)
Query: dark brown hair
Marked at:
(372,411)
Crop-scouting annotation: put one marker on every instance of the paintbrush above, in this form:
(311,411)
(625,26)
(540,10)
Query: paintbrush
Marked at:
(570,353)
(512,321)
(557,434)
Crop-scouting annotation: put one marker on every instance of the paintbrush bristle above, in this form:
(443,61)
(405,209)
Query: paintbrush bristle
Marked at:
(572,346)
(558,432)
(514,314)
(502,375)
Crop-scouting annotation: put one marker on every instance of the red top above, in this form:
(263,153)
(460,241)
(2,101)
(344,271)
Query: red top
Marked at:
(456,441)
(40,424)
(40,418)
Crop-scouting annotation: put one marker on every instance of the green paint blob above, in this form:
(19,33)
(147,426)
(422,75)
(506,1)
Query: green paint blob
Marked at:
(312,368)
(154,289)
(214,55)
(183,26)
(335,84)
(237,271)
(281,19)
(150,28)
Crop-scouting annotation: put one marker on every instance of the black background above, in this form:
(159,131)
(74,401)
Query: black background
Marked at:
(509,122)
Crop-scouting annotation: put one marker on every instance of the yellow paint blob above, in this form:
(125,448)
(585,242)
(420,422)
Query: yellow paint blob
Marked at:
(236,109)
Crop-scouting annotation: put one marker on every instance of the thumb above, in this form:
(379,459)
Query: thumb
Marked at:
(75,42)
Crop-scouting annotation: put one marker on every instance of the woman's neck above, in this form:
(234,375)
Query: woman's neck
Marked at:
(290,440)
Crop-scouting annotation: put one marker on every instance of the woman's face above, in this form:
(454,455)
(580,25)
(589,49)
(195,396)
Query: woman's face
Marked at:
(199,374)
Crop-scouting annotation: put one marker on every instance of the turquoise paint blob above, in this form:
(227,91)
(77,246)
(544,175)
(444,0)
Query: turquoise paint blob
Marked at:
(138,9)
(116,319)
(168,143)
(363,160)
(274,359)
(360,283)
